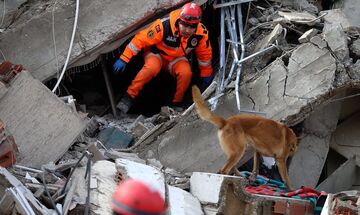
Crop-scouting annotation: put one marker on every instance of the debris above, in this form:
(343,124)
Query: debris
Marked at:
(337,41)
(39,121)
(297,18)
(307,35)
(113,138)
(317,40)
(355,48)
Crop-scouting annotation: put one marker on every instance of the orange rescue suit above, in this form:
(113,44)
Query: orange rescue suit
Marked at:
(164,49)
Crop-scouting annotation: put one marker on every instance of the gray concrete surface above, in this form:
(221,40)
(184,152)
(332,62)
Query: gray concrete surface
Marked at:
(43,126)
(337,41)
(100,24)
(346,138)
(342,179)
(307,163)
(336,17)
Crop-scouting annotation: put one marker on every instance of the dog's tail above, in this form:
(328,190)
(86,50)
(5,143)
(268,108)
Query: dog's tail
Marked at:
(203,110)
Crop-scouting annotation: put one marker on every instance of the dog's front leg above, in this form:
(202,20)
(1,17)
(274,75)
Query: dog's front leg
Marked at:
(255,170)
(281,163)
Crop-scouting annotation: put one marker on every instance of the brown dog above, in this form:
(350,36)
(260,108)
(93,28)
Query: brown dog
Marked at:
(268,138)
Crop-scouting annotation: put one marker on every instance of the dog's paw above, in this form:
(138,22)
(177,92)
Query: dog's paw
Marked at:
(252,178)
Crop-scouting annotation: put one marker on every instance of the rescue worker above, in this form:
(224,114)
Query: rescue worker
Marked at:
(166,43)
(134,197)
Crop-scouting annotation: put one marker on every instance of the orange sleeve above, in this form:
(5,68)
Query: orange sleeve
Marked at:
(144,38)
(204,54)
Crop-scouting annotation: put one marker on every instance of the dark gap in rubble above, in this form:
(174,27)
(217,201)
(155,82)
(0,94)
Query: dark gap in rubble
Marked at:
(87,84)
(286,59)
(333,161)
(327,4)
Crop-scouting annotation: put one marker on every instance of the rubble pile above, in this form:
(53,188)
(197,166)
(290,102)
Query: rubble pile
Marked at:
(297,61)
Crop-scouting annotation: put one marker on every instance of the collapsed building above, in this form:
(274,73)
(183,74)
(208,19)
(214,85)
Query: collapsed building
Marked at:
(294,62)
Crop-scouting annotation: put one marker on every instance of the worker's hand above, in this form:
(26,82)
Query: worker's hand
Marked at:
(205,82)
(119,66)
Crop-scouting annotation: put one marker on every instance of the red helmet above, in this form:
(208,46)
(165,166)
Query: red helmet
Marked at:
(133,197)
(191,13)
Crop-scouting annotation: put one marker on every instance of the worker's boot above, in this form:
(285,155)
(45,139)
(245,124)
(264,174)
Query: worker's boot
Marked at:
(125,103)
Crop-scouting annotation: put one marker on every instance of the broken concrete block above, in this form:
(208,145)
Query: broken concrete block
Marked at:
(200,184)
(270,39)
(351,10)
(128,156)
(139,129)
(130,169)
(343,178)
(311,72)
(313,148)
(3,89)
(354,70)
(299,17)
(182,202)
(345,139)
(103,176)
(335,17)
(43,126)
(113,138)
(299,5)
(337,41)
(355,48)
(307,35)
(282,91)
(316,40)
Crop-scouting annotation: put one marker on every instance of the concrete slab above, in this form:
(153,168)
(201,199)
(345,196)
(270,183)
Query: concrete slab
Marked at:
(43,126)
(222,194)
(354,70)
(3,89)
(345,140)
(182,202)
(318,41)
(148,174)
(299,17)
(337,41)
(200,183)
(351,9)
(100,24)
(355,48)
(313,148)
(270,39)
(307,35)
(299,5)
(8,10)
(103,186)
(281,91)
(336,17)
(342,179)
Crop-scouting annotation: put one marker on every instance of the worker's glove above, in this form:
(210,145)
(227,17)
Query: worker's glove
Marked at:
(119,66)
(204,83)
